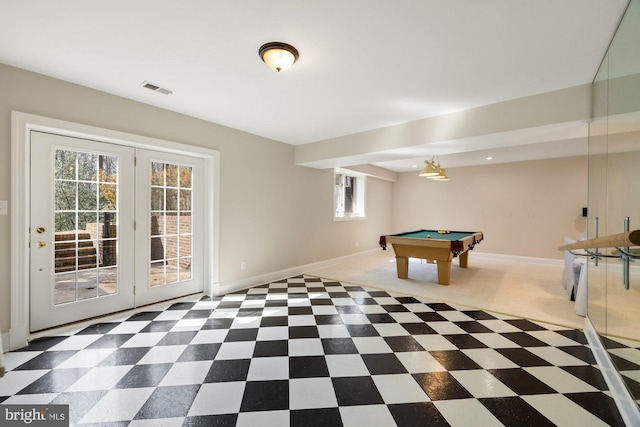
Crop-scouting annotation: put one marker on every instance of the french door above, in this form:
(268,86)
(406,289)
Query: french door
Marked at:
(169,230)
(106,235)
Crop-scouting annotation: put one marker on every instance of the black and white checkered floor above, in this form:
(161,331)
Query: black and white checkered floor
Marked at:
(312,352)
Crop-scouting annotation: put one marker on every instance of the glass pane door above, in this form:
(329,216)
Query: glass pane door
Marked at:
(82,245)
(171,223)
(86,225)
(169,208)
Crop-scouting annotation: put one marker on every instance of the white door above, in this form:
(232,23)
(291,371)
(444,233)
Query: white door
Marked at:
(169,226)
(81,229)
(107,235)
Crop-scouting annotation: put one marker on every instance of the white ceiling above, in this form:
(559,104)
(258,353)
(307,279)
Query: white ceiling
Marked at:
(364,64)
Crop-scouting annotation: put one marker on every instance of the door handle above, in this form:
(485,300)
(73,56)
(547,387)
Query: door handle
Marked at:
(41,244)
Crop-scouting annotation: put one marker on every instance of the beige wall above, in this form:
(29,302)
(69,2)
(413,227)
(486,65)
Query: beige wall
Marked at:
(524,208)
(273,214)
(276,215)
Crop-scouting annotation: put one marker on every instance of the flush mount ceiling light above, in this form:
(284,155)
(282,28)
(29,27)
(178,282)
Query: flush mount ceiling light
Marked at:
(278,56)
(433,170)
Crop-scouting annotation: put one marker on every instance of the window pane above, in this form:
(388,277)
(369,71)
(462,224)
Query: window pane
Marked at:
(185,268)
(65,222)
(108,254)
(185,222)
(185,200)
(171,247)
(349,194)
(185,176)
(172,175)
(185,246)
(171,224)
(108,225)
(66,193)
(65,164)
(157,273)
(171,275)
(108,168)
(87,167)
(65,288)
(87,196)
(172,199)
(108,197)
(65,253)
(157,199)
(87,254)
(157,248)
(157,224)
(157,173)
(87,284)
(85,218)
(107,281)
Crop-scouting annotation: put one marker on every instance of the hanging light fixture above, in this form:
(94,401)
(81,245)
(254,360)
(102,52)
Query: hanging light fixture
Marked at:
(434,171)
(430,170)
(441,177)
(278,56)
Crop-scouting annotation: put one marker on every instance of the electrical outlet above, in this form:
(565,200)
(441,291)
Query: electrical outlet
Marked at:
(243,265)
(4,207)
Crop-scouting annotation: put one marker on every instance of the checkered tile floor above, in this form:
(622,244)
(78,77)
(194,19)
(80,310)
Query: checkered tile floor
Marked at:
(310,352)
(625,355)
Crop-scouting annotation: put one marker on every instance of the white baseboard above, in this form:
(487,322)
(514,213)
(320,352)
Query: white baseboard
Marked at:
(4,343)
(624,401)
(517,259)
(611,266)
(261,279)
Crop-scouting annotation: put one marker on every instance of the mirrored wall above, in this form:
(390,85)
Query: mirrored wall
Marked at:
(614,197)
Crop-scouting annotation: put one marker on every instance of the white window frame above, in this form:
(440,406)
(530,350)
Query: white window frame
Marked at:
(341,180)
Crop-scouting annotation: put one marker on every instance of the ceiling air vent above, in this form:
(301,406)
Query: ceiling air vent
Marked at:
(156,88)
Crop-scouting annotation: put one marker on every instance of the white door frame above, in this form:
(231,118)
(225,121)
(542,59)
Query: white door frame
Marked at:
(21,126)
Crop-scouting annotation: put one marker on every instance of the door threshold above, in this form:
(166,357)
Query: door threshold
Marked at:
(119,316)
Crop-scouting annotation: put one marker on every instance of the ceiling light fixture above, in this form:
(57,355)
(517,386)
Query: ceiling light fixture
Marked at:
(434,171)
(278,56)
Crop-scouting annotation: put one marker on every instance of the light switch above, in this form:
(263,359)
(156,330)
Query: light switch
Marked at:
(4,206)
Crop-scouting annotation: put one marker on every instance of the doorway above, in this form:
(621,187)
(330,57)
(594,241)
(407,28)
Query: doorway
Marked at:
(112,227)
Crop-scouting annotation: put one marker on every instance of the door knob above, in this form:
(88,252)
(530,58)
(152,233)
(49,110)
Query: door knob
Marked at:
(41,244)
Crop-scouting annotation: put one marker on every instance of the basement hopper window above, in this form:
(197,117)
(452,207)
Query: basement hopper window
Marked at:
(348,195)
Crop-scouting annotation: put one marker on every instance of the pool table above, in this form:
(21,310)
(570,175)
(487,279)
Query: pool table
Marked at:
(436,246)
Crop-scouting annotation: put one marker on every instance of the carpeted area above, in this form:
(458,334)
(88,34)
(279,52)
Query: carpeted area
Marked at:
(528,290)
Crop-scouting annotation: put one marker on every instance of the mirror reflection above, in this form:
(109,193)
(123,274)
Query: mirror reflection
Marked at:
(614,196)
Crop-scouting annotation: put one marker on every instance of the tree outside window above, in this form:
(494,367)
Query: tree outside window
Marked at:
(348,195)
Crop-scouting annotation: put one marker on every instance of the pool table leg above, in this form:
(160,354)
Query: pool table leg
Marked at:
(444,272)
(463,259)
(402,265)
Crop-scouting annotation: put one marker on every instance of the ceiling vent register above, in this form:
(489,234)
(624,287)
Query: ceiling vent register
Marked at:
(156,88)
